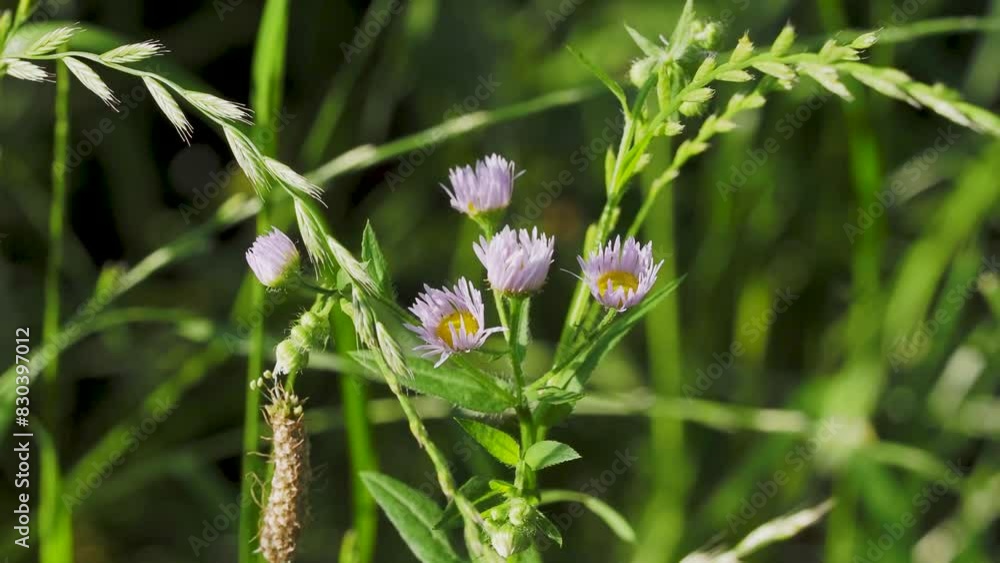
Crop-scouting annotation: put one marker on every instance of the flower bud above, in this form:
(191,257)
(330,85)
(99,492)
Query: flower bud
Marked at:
(706,35)
(508,540)
(640,70)
(274,259)
(289,358)
(518,512)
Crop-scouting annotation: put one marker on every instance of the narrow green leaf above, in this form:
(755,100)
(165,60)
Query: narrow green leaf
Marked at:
(269,74)
(377,265)
(5,23)
(681,37)
(618,524)
(520,324)
(648,47)
(498,443)
(461,386)
(582,364)
(597,71)
(548,453)
(546,526)
(413,515)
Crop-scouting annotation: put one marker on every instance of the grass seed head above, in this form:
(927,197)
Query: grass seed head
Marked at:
(284,513)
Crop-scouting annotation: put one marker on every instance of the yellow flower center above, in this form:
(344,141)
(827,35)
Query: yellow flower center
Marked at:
(456,320)
(619,280)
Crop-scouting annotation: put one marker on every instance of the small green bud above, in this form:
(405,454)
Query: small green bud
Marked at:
(707,35)
(496,514)
(743,50)
(289,358)
(508,540)
(691,109)
(865,41)
(640,71)
(301,337)
(518,512)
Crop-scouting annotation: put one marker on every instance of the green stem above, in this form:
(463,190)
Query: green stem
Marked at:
(663,520)
(359,444)
(516,330)
(368,155)
(58,543)
(473,521)
(268,77)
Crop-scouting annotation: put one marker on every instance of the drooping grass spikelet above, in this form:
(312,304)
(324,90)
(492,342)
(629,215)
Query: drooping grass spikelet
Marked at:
(249,158)
(92,81)
(293,179)
(133,52)
(218,107)
(284,512)
(24,70)
(171,110)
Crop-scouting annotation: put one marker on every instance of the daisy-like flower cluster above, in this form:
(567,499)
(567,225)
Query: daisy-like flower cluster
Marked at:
(451,320)
(486,188)
(620,275)
(274,259)
(517,264)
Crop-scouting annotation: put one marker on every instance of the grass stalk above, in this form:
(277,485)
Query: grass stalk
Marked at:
(663,521)
(865,169)
(361,450)
(364,156)
(268,78)
(58,543)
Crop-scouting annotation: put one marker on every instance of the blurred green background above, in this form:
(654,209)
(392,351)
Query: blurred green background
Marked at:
(867,327)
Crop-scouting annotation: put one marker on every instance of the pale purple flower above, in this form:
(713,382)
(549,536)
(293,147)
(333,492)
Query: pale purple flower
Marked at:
(451,320)
(273,258)
(620,275)
(516,261)
(485,189)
